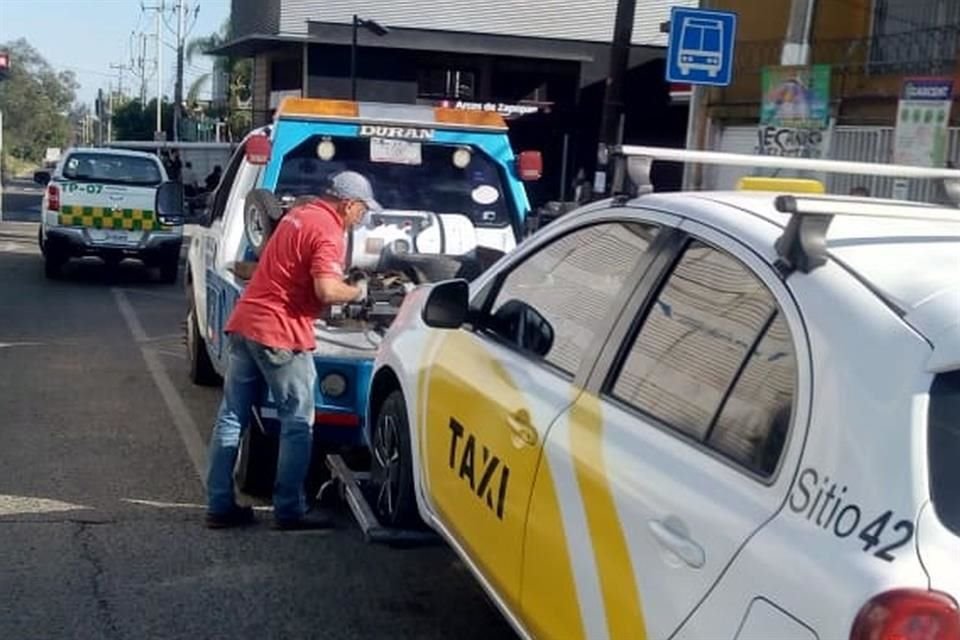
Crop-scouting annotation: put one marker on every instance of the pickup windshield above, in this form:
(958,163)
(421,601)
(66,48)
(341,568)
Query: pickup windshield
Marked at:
(112,169)
(406,175)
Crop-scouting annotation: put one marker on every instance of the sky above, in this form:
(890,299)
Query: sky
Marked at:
(88,36)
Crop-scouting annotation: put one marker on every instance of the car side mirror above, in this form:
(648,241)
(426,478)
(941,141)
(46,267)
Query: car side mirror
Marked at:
(170,204)
(42,177)
(448,304)
(520,323)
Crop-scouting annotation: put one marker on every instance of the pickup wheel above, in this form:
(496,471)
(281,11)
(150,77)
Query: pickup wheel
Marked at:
(53,264)
(256,468)
(169,269)
(201,367)
(260,215)
(394,499)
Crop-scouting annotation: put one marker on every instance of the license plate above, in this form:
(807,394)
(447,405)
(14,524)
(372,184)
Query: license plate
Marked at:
(116,236)
(395,151)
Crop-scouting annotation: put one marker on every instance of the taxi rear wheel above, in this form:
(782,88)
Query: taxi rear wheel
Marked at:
(392,467)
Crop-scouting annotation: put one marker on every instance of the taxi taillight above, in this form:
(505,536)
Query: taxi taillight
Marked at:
(53,198)
(908,614)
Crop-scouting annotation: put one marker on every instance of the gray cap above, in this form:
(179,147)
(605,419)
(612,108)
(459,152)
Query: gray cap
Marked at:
(350,185)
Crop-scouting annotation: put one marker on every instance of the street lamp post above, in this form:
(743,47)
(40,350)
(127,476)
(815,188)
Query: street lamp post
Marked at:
(373,27)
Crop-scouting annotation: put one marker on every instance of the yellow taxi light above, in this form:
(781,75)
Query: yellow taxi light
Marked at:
(783,185)
(313,107)
(447,115)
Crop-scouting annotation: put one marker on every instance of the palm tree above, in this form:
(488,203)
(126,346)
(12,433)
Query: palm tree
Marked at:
(238,71)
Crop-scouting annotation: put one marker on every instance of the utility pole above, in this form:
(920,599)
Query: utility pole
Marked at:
(159,69)
(110,116)
(178,87)
(158,10)
(611,119)
(796,42)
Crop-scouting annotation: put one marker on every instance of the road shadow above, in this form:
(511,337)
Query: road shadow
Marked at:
(95,272)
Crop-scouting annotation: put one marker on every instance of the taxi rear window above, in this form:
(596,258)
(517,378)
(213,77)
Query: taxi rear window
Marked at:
(944,448)
(112,169)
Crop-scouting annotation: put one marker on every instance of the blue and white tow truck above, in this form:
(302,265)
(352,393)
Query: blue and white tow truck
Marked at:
(454,202)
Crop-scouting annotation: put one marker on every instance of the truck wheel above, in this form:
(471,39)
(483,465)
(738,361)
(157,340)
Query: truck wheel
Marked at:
(394,499)
(201,368)
(257,462)
(40,242)
(260,215)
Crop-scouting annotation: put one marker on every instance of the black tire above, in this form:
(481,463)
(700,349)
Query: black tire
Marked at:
(394,499)
(53,264)
(260,215)
(40,242)
(169,269)
(257,462)
(202,372)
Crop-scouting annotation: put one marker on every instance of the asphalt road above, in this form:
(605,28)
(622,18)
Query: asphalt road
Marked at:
(101,502)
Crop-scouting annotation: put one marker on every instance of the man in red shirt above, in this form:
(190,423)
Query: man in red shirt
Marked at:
(271,337)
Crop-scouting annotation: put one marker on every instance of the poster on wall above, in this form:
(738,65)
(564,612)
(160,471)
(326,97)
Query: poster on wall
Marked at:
(923,118)
(795,111)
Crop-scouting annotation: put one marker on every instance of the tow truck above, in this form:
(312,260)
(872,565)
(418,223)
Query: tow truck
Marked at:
(454,203)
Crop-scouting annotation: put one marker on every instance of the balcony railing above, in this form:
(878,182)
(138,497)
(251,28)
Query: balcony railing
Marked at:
(923,52)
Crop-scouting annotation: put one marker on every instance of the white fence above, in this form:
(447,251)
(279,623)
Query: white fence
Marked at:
(859,144)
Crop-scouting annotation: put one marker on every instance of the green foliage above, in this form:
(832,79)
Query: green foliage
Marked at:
(239,73)
(36,101)
(134,121)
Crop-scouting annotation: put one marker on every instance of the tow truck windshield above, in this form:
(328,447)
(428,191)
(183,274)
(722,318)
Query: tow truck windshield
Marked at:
(112,169)
(406,175)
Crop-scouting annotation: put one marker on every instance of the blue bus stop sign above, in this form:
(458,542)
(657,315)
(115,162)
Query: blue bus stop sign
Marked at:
(701,46)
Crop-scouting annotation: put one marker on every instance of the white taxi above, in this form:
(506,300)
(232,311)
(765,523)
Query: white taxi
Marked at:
(693,415)
(112,204)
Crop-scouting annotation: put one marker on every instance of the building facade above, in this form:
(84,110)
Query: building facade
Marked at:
(872,46)
(542,64)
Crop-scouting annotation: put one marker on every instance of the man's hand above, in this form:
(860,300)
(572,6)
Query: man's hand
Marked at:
(358,279)
(334,291)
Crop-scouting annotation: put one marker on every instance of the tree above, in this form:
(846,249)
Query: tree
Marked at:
(135,121)
(239,74)
(36,101)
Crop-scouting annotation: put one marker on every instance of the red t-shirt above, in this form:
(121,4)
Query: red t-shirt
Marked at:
(279,306)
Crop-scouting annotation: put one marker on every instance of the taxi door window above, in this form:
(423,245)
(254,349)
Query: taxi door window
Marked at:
(554,304)
(714,360)
(222,193)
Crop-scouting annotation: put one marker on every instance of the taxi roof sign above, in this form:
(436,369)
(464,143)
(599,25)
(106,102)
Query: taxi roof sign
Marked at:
(780,185)
(388,113)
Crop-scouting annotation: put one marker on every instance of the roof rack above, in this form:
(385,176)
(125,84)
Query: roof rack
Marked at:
(803,245)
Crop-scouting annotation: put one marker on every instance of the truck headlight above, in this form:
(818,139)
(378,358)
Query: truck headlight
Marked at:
(333,385)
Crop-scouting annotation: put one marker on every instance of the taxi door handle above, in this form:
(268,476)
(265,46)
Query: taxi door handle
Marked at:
(684,548)
(524,434)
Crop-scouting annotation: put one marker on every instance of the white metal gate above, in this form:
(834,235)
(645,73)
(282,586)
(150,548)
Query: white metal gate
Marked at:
(860,144)
(875,144)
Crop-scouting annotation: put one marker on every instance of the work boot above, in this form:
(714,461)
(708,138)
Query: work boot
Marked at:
(311,521)
(236,517)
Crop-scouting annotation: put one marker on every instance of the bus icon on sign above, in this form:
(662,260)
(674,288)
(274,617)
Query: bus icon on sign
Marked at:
(701,46)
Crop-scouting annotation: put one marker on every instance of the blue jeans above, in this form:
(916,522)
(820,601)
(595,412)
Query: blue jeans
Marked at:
(291,378)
